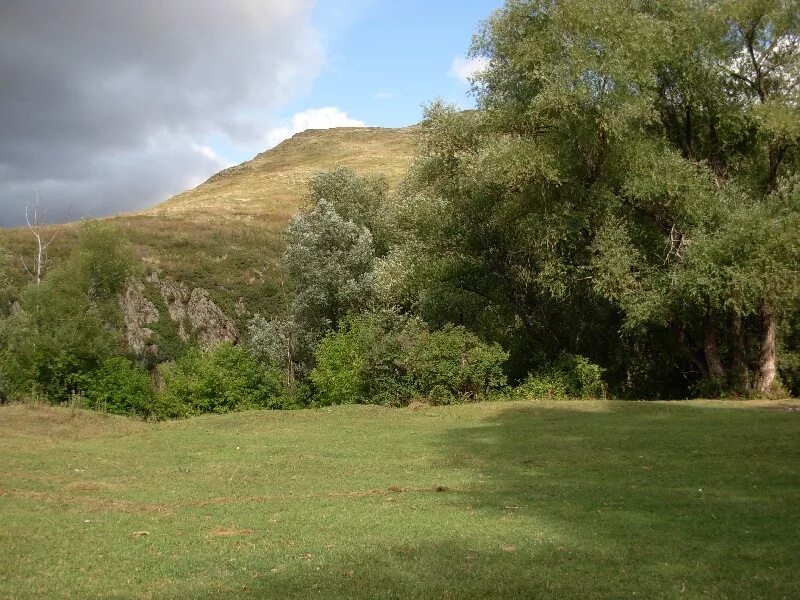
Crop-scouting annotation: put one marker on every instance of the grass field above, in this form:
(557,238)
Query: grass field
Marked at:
(524,500)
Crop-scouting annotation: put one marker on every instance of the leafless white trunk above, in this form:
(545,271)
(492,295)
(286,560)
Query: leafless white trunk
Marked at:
(36,220)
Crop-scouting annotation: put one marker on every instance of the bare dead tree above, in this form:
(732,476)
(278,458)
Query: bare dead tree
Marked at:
(36,220)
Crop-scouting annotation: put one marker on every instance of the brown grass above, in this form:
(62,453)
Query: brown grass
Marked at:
(270,187)
(34,425)
(226,235)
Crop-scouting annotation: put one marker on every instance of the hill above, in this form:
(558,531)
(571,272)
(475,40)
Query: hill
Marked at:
(271,186)
(224,237)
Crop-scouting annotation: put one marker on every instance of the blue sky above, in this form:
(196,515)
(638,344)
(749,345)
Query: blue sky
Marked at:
(384,60)
(116,106)
(402,48)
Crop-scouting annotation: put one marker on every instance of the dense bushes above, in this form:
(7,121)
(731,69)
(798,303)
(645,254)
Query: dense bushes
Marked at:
(120,387)
(388,359)
(66,325)
(454,364)
(569,377)
(219,380)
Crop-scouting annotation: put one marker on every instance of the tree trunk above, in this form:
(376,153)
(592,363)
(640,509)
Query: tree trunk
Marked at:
(691,353)
(741,371)
(767,362)
(715,369)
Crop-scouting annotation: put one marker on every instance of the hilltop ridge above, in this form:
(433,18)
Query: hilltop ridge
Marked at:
(272,184)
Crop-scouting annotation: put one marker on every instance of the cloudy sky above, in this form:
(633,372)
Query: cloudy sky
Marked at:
(113,105)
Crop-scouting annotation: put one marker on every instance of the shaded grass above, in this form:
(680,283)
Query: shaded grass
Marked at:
(532,499)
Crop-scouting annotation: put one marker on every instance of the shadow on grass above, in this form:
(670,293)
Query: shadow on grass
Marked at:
(646,501)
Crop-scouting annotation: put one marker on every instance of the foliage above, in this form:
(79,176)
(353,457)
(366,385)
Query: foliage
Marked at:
(118,386)
(453,364)
(631,168)
(219,380)
(65,326)
(6,284)
(329,261)
(366,360)
(569,377)
(385,358)
(358,199)
(278,344)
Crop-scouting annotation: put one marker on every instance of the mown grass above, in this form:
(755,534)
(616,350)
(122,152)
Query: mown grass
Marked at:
(528,499)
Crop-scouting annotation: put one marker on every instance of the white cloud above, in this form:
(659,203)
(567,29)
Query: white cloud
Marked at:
(313,118)
(466,69)
(383,95)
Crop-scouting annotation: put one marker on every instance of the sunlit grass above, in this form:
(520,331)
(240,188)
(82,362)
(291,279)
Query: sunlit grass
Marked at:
(528,499)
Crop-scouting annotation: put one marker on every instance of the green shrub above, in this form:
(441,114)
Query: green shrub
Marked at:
(570,376)
(69,323)
(384,358)
(365,361)
(219,380)
(118,386)
(453,364)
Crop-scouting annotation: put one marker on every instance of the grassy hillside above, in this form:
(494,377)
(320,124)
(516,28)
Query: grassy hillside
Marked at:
(272,185)
(505,500)
(226,234)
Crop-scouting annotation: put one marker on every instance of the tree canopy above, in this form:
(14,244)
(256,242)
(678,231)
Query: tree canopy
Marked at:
(628,186)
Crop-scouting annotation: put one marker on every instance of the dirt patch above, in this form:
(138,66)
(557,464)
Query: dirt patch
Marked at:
(87,503)
(227,532)
(90,486)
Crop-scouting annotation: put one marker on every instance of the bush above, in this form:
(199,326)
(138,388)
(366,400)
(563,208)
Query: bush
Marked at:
(570,376)
(453,364)
(365,361)
(388,359)
(64,329)
(118,386)
(219,380)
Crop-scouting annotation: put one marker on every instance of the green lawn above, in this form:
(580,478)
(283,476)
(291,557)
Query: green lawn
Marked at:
(505,500)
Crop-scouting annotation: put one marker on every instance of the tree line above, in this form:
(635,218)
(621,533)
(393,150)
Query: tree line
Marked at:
(620,215)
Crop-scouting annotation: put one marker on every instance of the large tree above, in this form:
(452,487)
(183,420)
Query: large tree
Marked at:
(632,165)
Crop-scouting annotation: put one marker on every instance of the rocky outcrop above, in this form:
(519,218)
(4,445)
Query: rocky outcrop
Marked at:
(137,312)
(209,323)
(176,296)
(195,310)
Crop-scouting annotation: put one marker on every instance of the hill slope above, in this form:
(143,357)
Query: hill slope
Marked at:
(225,237)
(271,186)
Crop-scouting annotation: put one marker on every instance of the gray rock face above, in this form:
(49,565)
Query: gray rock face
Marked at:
(137,313)
(176,295)
(195,309)
(209,323)
(191,309)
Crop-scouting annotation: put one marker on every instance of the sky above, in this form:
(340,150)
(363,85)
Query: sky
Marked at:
(110,106)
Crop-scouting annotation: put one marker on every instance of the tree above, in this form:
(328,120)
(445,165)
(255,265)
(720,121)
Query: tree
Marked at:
(36,221)
(329,261)
(6,286)
(278,343)
(630,168)
(360,199)
(65,327)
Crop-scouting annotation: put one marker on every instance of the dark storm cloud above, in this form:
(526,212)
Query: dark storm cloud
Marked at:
(108,105)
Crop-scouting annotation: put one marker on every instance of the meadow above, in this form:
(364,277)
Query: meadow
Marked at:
(549,499)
